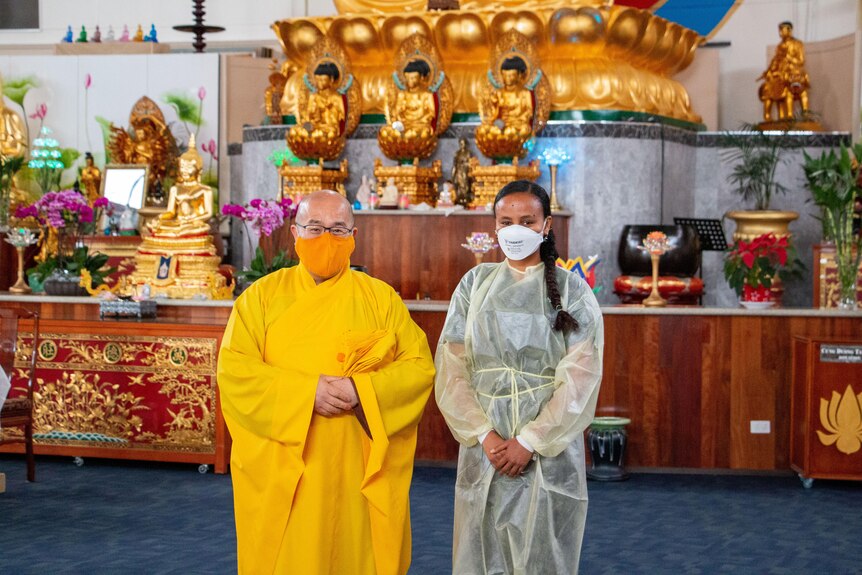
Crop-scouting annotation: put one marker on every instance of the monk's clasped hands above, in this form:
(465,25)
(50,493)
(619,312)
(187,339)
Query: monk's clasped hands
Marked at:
(335,395)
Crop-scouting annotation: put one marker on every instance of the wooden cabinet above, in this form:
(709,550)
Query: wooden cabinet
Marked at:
(826,408)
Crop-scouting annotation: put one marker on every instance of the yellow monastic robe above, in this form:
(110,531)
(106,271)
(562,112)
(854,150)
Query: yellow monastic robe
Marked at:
(314,494)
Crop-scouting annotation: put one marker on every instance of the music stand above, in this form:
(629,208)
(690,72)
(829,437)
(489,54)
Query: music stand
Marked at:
(711,236)
(710,233)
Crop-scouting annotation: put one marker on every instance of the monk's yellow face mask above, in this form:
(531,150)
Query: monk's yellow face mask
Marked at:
(325,255)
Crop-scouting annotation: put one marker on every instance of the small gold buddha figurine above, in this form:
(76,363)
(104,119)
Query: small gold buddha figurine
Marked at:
(148,141)
(275,91)
(515,102)
(329,105)
(785,81)
(418,102)
(139,34)
(190,203)
(91,179)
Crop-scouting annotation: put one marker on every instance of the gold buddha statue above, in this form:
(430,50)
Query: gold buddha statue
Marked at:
(91,179)
(515,102)
(785,81)
(329,106)
(13,144)
(148,141)
(418,102)
(190,203)
(179,259)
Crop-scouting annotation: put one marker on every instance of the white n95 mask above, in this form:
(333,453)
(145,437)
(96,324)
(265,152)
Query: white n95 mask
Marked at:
(519,242)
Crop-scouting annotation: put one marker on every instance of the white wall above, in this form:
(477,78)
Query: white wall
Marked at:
(750,30)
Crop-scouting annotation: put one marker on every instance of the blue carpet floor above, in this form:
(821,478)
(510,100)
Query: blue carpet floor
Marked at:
(129,518)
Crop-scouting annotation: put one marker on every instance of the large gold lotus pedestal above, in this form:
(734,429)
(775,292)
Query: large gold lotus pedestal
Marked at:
(487,180)
(299,181)
(595,55)
(418,182)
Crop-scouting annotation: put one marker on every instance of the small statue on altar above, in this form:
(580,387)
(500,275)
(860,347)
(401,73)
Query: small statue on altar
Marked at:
(110,36)
(445,200)
(148,141)
(139,34)
(152,37)
(275,91)
(190,203)
(82,37)
(785,81)
(328,109)
(418,102)
(97,35)
(461,174)
(91,179)
(363,194)
(515,103)
(390,194)
(124,37)
(69,37)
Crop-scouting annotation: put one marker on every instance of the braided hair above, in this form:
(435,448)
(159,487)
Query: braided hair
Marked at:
(547,251)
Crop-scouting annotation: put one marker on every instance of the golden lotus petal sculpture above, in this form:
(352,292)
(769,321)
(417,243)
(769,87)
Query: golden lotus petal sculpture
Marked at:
(595,56)
(841,416)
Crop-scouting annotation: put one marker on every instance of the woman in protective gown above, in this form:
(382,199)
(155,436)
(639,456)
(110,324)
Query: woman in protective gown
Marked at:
(519,365)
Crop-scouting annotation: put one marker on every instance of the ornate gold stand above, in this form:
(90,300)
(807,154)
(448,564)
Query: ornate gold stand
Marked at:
(654,299)
(20,285)
(419,183)
(299,181)
(192,272)
(487,180)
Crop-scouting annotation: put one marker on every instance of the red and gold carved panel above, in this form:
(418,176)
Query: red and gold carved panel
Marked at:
(127,387)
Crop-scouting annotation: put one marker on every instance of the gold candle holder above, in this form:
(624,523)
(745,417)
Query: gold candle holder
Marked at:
(21,238)
(656,244)
(20,285)
(555,207)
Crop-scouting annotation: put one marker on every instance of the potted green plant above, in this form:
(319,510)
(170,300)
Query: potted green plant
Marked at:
(752,268)
(833,180)
(756,156)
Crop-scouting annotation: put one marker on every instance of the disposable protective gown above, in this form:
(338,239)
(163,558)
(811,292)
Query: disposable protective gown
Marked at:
(501,366)
(315,494)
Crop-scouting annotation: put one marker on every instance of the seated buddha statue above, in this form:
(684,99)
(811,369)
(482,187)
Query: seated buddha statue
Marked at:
(418,103)
(514,104)
(190,203)
(785,81)
(328,106)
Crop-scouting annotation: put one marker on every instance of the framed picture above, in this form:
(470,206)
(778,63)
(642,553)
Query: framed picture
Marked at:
(125,184)
(19,15)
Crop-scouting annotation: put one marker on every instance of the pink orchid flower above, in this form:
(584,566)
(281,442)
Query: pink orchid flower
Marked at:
(202,93)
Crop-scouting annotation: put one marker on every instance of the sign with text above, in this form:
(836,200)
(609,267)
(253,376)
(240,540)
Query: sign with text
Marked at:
(838,353)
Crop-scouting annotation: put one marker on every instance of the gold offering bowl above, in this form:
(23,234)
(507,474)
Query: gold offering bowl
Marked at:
(596,57)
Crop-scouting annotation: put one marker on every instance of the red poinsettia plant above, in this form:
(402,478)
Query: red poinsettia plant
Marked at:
(753,265)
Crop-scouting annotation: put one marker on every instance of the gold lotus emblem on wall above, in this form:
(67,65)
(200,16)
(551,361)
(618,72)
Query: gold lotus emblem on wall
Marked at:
(842,418)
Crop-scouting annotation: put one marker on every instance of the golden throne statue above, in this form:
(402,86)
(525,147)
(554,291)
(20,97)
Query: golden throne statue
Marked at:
(178,259)
(327,111)
(418,110)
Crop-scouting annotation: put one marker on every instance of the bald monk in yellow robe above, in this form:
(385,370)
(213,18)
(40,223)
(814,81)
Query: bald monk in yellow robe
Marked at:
(323,377)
